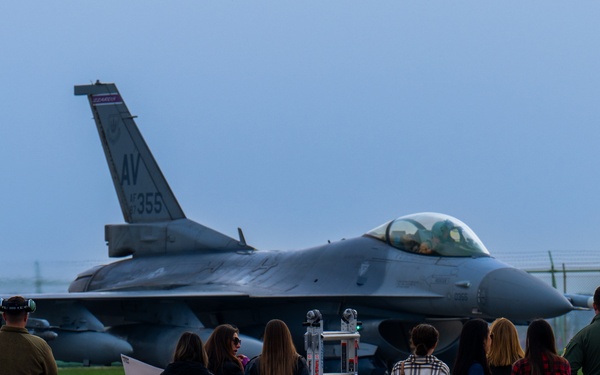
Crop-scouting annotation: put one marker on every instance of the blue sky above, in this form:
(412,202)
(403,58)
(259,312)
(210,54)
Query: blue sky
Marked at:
(303,122)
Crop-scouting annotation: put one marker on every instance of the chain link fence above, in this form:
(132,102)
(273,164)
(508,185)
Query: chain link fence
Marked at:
(572,272)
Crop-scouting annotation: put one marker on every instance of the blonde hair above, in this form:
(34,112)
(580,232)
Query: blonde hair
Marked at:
(279,356)
(505,348)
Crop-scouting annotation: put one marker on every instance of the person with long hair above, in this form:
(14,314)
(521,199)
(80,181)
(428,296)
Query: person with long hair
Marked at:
(222,347)
(505,348)
(541,357)
(423,340)
(278,356)
(474,343)
(189,357)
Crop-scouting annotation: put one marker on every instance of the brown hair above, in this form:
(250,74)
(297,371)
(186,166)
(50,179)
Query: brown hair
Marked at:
(540,343)
(279,356)
(190,348)
(423,337)
(219,348)
(505,348)
(471,347)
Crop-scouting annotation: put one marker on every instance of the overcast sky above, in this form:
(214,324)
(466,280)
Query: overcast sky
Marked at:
(307,121)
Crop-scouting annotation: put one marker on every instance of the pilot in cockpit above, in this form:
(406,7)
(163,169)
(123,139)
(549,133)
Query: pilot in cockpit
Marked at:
(440,236)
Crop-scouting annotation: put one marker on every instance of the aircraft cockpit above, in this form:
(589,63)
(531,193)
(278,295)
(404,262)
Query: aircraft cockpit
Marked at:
(431,234)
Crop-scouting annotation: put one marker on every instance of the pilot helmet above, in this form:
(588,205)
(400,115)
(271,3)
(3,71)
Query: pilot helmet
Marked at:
(441,227)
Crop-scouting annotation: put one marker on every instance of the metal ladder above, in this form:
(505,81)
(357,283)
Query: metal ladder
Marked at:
(347,335)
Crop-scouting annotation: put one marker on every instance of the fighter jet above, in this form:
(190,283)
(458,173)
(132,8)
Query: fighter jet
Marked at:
(178,275)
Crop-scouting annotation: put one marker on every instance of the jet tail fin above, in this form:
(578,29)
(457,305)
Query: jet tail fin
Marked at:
(156,221)
(143,191)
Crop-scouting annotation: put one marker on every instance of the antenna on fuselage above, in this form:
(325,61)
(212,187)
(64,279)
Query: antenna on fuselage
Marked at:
(242,238)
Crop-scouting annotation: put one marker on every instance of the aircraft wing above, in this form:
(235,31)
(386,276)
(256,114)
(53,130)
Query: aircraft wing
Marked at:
(208,297)
(209,294)
(95,311)
(129,295)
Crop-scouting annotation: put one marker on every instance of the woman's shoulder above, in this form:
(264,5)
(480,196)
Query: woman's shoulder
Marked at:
(476,369)
(501,370)
(301,359)
(185,367)
(231,368)
(252,367)
(521,361)
(302,366)
(442,365)
(203,370)
(520,366)
(253,360)
(564,363)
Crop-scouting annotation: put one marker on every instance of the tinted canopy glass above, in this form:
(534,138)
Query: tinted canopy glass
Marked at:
(431,234)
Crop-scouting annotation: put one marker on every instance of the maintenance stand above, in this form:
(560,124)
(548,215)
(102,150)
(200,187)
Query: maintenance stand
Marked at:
(348,336)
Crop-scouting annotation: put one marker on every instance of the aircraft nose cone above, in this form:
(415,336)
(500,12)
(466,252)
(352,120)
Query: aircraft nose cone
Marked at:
(516,295)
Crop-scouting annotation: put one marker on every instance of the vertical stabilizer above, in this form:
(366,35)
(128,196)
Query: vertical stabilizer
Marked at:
(157,223)
(143,191)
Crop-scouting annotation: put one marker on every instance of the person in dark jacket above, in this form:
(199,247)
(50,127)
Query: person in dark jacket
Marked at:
(189,358)
(541,357)
(582,351)
(20,351)
(222,349)
(473,344)
(279,356)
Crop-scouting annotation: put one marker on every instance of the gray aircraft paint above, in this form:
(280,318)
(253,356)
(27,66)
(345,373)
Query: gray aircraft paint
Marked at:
(179,275)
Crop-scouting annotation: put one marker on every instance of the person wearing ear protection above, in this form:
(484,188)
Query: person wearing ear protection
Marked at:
(22,353)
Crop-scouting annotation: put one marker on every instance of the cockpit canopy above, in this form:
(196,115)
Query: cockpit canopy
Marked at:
(431,234)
